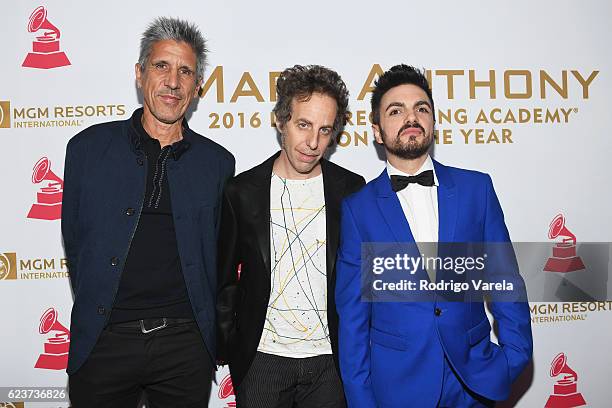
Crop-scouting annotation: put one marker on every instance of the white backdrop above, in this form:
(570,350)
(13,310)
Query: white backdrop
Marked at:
(547,63)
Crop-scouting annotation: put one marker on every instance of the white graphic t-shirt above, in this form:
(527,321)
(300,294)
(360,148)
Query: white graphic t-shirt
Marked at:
(296,321)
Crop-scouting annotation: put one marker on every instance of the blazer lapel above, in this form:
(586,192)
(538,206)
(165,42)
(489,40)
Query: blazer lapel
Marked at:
(333,188)
(447,204)
(391,209)
(259,203)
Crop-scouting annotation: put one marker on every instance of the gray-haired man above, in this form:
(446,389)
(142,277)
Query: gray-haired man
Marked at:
(139,222)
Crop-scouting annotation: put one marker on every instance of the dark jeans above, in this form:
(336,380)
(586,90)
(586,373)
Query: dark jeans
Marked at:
(171,367)
(279,382)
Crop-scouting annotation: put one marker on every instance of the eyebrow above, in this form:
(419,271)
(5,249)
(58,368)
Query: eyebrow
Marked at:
(402,105)
(163,61)
(310,123)
(303,120)
(395,104)
(422,102)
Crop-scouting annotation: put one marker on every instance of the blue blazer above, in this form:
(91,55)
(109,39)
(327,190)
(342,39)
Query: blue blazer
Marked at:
(392,354)
(104,176)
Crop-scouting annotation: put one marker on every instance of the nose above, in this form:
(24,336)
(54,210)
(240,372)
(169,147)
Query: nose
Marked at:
(313,140)
(410,116)
(172,79)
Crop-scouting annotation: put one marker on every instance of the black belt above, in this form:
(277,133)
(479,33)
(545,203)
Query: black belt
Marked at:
(146,326)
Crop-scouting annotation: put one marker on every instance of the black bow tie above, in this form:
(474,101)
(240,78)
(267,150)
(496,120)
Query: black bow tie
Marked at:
(425,178)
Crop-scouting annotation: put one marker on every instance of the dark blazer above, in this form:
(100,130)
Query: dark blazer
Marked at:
(244,239)
(104,188)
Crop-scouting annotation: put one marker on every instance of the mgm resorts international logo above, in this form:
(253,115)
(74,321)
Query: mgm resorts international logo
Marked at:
(55,116)
(5,114)
(12,404)
(566,312)
(12,267)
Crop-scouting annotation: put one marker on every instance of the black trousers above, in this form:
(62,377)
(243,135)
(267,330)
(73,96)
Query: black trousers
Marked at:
(169,367)
(283,382)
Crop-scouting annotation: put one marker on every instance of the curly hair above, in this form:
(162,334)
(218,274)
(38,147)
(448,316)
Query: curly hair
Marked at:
(301,82)
(398,75)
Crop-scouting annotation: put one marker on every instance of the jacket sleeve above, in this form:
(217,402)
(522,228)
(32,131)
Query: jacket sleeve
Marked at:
(513,318)
(227,278)
(70,211)
(227,172)
(354,324)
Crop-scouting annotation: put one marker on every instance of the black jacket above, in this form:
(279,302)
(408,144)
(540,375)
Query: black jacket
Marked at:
(244,240)
(104,189)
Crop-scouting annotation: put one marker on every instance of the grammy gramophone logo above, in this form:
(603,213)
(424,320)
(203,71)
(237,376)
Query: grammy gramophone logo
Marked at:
(226,390)
(55,355)
(564,258)
(565,390)
(48,205)
(46,51)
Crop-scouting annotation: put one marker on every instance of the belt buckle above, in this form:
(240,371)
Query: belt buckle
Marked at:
(146,331)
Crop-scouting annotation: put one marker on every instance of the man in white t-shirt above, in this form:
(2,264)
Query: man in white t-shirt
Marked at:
(279,231)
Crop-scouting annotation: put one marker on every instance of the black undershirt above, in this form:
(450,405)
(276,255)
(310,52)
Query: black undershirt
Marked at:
(152,283)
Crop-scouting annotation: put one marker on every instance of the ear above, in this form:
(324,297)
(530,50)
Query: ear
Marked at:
(196,92)
(138,72)
(377,134)
(280,127)
(281,131)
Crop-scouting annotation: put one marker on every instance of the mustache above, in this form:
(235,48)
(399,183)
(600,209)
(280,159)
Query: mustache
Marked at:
(410,125)
(171,92)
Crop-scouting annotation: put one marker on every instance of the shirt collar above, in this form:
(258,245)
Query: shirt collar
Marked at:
(427,165)
(139,135)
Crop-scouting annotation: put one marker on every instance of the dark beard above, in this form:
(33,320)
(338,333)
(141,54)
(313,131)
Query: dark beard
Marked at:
(411,150)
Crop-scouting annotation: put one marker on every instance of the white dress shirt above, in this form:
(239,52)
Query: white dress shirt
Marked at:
(420,206)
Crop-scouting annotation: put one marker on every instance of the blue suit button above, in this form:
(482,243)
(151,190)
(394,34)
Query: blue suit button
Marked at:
(437,312)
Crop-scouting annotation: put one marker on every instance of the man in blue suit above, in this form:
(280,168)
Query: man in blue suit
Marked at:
(422,354)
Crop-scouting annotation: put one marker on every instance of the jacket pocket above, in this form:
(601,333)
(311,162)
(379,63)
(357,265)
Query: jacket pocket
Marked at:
(479,332)
(388,340)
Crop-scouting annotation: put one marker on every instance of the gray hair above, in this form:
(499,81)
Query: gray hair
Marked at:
(167,28)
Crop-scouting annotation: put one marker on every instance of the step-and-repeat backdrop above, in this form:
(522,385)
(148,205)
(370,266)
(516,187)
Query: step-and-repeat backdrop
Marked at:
(520,89)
